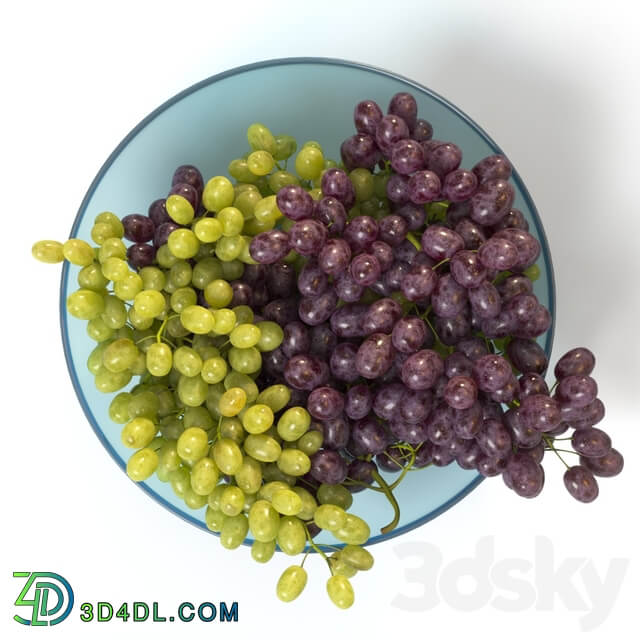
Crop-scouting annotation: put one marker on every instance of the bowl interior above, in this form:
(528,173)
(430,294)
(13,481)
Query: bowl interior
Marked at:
(206,126)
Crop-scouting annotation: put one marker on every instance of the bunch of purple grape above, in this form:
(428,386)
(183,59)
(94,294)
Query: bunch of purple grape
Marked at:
(410,333)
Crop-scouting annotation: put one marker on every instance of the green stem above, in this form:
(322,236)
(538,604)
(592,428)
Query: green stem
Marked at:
(414,241)
(549,442)
(404,471)
(314,546)
(392,499)
(438,264)
(161,329)
(555,384)
(562,450)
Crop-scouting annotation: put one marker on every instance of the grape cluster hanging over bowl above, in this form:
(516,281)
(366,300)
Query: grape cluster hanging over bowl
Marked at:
(288,339)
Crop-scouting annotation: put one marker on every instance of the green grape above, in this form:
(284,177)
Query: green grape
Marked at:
(263,551)
(310,442)
(112,248)
(229,248)
(149,303)
(138,322)
(293,423)
(271,473)
(309,504)
(78,252)
(380,185)
(169,457)
(180,210)
(309,163)
(245,360)
(119,408)
(260,138)
(49,251)
(217,194)
(232,270)
(234,531)
(357,557)
(142,464)
(152,278)
(179,275)
(192,391)
(202,342)
(262,447)
(166,403)
(165,258)
(94,361)
(108,382)
(280,179)
(249,475)
(214,497)
(128,287)
(330,517)
(214,393)
(159,359)
(363,184)
(276,397)
(119,355)
(214,519)
(124,332)
(267,490)
(266,210)
(182,298)
(162,474)
(114,314)
(294,462)
(183,243)
(231,428)
(249,499)
(106,217)
(85,304)
(143,405)
(207,270)
(239,170)
(115,269)
(231,220)
(214,370)
(354,531)
(97,330)
(257,419)
(207,229)
(180,481)
(193,500)
(232,501)
(253,227)
(227,455)
(90,277)
(138,433)
(340,591)
(247,201)
(246,383)
(102,231)
(271,336)
(291,536)
(193,444)
(232,402)
(286,146)
(187,361)
(286,502)
(340,567)
(244,336)
(335,494)
(218,294)
(260,162)
(197,417)
(291,583)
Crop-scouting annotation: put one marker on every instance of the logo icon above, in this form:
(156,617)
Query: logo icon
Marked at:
(45,608)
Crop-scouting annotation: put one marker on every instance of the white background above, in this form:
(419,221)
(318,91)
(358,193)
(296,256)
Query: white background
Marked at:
(554,83)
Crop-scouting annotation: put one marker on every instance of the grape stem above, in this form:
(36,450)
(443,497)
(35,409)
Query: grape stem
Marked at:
(555,384)
(414,241)
(549,442)
(438,264)
(314,546)
(404,471)
(391,498)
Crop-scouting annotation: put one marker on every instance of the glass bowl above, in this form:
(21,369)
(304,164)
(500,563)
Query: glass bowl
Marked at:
(205,125)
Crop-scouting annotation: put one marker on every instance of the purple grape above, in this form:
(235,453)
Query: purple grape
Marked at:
(366,115)
(489,466)
(468,457)
(410,432)
(422,130)
(498,253)
(467,270)
(331,213)
(274,362)
(471,233)
(383,253)
(307,237)
(405,252)
(303,372)
(358,402)
(389,130)
(141,255)
(513,286)
(242,294)
(259,297)
(294,202)
(312,280)
(343,362)
(535,325)
(404,105)
(316,310)
(591,442)
(381,316)
(473,348)
(527,246)
(491,372)
(296,339)
(281,311)
(523,435)
(335,256)
(507,393)
(415,405)
(458,211)
(607,466)
(347,288)
(452,330)
(328,467)
(323,341)
(138,228)
(540,412)
(158,212)
(392,459)
(325,403)
(359,151)
(269,246)
(577,362)
(419,283)
(459,185)
(280,278)
(532,384)
(586,416)
(430,146)
(485,300)
(513,220)
(412,214)
(375,356)
(369,436)
(409,334)
(440,425)
(536,452)
(563,427)
(461,392)
(388,400)
(526,476)
(360,471)
(492,167)
(257,273)
(361,232)
(491,201)
(393,277)
(346,322)
(467,422)
(188,174)
(423,187)
(407,156)
(422,369)
(527,356)
(581,483)
(188,192)
(494,439)
(444,159)
(365,269)
(440,242)
(397,189)
(392,230)
(457,364)
(163,232)
(336,183)
(448,298)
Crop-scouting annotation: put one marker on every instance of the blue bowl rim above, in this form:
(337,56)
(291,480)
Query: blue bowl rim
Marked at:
(221,76)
